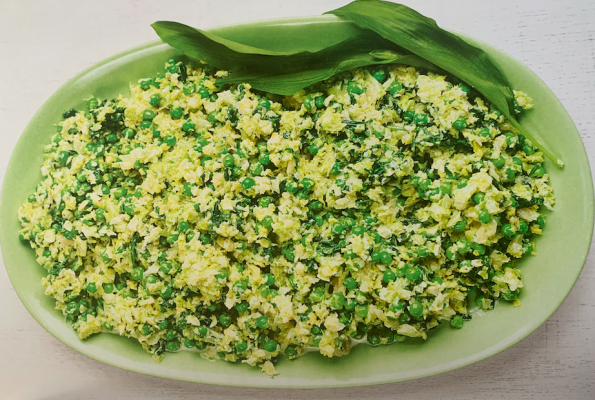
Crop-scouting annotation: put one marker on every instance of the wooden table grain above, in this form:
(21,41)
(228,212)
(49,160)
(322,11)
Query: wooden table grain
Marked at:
(44,43)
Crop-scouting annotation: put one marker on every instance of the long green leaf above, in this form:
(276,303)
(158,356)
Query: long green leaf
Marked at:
(285,73)
(292,73)
(384,33)
(421,36)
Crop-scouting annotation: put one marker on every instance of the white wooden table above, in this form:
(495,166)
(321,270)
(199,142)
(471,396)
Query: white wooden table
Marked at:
(44,43)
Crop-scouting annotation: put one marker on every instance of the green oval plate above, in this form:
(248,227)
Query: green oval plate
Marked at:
(548,277)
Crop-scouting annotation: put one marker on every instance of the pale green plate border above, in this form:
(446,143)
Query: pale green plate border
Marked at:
(548,277)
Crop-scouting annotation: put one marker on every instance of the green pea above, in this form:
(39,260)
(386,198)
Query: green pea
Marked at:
(423,252)
(248,182)
(148,115)
(319,101)
(354,87)
(241,346)
(523,227)
(225,320)
(460,123)
(350,283)
(92,103)
(511,139)
(145,124)
(358,230)
(202,331)
(120,192)
(176,112)
(108,287)
(479,197)
(416,309)
(350,304)
(242,307)
(446,188)
(137,274)
(262,322)
(183,226)
(166,267)
(375,256)
(508,231)
(537,172)
(464,245)
(313,149)
(129,133)
(389,276)
(412,273)
(451,254)
(307,184)
(361,310)
(264,159)
(316,205)
(337,228)
(228,161)
(510,295)
(457,322)
(170,140)
(498,162)
(316,296)
(204,93)
(460,226)
(395,87)
(188,89)
(337,301)
(308,102)
(379,75)
(480,249)
(155,100)
(265,103)
(385,258)
(484,216)
(374,339)
(424,184)
(270,345)
(91,287)
(349,255)
(145,84)
(267,222)
(540,222)
(528,149)
(188,126)
(172,346)
(421,119)
(484,132)
(291,351)
(462,183)
(269,279)
(292,187)
(166,292)
(404,318)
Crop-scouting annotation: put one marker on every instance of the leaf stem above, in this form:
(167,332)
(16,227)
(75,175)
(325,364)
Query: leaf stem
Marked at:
(559,163)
